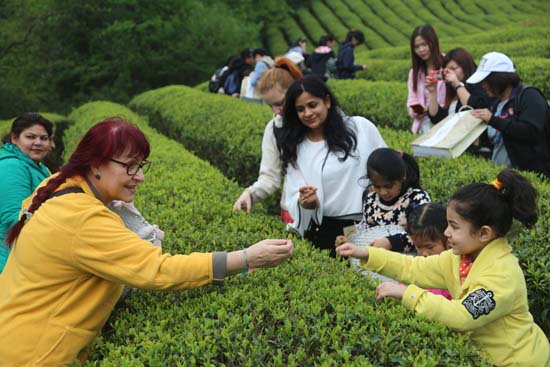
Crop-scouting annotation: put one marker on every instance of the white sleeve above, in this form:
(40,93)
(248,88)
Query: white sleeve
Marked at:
(302,217)
(269,178)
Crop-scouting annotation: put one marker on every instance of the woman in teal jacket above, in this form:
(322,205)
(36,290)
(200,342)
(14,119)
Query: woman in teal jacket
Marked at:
(21,169)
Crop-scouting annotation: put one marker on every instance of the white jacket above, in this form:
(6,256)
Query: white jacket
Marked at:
(311,173)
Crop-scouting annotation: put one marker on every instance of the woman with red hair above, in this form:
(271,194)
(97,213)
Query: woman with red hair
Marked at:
(71,254)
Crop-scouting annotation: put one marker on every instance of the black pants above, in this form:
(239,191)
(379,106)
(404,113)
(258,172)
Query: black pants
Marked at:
(323,236)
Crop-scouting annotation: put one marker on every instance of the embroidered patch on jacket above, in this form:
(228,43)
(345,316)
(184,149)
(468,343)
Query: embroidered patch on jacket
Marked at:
(480,302)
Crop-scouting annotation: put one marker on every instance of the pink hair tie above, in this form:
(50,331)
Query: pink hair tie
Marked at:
(400,153)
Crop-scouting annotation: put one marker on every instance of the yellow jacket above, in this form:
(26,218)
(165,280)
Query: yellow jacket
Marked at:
(66,272)
(491,305)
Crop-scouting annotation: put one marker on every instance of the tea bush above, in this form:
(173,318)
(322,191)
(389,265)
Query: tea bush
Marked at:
(312,310)
(440,177)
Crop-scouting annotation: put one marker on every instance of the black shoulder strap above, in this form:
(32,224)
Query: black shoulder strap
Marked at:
(520,95)
(68,190)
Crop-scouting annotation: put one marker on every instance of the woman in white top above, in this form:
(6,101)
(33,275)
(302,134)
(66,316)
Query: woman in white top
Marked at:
(273,86)
(324,155)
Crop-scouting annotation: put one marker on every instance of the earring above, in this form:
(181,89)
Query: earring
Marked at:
(97,176)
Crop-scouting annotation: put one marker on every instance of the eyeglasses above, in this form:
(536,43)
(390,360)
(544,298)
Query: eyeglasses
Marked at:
(132,169)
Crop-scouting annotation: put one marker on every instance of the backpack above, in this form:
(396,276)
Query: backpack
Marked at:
(217,80)
(232,83)
(517,109)
(330,71)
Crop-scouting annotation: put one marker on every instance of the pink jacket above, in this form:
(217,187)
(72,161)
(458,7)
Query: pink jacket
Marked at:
(420,96)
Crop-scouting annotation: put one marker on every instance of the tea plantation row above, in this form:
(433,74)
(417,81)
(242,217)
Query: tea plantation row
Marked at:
(389,23)
(229,136)
(312,310)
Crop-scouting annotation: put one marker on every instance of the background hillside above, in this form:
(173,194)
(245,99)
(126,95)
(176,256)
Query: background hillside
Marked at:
(56,54)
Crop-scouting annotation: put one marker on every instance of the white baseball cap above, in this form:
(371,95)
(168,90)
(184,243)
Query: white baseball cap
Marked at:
(493,61)
(295,57)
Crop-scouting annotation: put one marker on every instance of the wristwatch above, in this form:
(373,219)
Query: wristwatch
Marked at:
(460,85)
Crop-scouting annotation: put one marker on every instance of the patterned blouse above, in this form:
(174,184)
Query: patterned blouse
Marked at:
(377,213)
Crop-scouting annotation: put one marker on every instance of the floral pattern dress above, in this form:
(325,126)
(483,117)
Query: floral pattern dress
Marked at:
(379,213)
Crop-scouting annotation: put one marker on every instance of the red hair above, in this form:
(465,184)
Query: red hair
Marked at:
(282,75)
(105,140)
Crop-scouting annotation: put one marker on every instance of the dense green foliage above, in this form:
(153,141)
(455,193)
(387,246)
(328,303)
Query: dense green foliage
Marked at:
(440,177)
(271,318)
(57,53)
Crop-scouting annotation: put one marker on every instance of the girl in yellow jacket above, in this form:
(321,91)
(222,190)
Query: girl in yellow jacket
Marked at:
(484,277)
(71,254)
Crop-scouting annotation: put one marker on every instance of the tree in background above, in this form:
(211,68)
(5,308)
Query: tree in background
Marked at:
(55,54)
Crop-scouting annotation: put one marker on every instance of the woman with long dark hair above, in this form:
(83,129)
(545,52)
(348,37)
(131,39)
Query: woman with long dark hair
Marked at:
(324,155)
(426,57)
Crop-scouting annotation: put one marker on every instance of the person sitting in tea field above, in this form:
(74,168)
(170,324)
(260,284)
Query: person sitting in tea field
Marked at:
(519,118)
(480,271)
(426,57)
(273,86)
(324,155)
(394,192)
(22,166)
(71,255)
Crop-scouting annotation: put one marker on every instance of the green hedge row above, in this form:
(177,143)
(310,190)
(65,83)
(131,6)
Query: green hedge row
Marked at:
(388,32)
(390,22)
(321,12)
(275,38)
(351,20)
(533,71)
(312,25)
(271,318)
(441,177)
(538,48)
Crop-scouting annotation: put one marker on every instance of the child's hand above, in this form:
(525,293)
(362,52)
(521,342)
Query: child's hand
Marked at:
(382,243)
(349,249)
(390,289)
(340,240)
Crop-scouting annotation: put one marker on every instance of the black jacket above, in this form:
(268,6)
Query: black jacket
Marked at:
(478,99)
(523,131)
(318,63)
(345,65)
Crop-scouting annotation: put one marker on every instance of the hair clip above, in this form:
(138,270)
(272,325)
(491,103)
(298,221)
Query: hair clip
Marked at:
(26,214)
(497,184)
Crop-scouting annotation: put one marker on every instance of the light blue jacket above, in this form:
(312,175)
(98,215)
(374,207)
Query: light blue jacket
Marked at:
(19,176)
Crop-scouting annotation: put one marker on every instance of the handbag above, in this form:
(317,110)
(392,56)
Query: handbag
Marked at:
(451,137)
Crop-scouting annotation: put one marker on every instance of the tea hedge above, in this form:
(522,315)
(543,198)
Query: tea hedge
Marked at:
(312,310)
(539,47)
(533,71)
(383,102)
(441,177)
(351,20)
(207,124)
(324,15)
